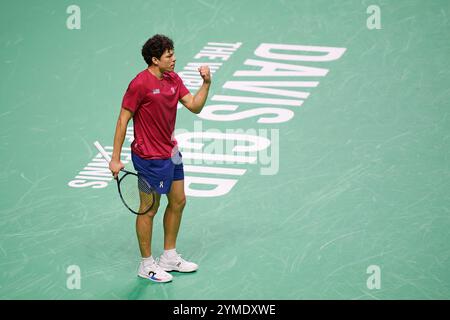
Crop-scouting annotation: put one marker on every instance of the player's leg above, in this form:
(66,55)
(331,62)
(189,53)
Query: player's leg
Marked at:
(170,260)
(148,268)
(144,227)
(172,216)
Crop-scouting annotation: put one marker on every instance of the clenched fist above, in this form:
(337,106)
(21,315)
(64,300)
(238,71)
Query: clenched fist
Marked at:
(205,73)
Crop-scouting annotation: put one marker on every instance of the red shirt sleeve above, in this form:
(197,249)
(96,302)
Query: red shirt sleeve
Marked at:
(133,96)
(183,90)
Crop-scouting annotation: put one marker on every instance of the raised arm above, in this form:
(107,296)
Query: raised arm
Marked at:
(195,103)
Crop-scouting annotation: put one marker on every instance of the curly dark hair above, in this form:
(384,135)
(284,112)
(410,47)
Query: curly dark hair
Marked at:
(155,47)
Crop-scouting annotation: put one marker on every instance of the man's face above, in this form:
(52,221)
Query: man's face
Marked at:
(167,61)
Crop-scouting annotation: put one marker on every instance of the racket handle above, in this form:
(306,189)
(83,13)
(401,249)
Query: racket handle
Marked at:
(102,151)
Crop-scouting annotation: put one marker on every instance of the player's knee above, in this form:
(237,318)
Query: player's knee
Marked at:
(182,203)
(154,210)
(179,204)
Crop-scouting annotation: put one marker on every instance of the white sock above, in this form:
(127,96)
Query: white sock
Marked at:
(172,253)
(148,261)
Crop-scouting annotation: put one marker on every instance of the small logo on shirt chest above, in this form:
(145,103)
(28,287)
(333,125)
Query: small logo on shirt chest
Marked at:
(173,90)
(155,91)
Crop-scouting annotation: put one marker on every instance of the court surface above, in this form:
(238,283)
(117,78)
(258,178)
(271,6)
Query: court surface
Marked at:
(350,199)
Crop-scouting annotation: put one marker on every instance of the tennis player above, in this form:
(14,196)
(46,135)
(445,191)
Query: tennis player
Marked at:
(151,100)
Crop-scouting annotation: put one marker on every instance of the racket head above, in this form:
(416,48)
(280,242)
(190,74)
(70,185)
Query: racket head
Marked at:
(136,193)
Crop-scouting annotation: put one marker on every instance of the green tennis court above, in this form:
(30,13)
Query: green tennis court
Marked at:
(318,169)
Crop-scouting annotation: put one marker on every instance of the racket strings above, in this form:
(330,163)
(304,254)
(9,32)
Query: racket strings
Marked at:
(137,194)
(143,186)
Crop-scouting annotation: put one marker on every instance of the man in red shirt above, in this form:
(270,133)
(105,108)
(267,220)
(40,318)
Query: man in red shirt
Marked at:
(151,100)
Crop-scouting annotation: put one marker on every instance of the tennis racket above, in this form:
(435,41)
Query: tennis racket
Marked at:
(136,194)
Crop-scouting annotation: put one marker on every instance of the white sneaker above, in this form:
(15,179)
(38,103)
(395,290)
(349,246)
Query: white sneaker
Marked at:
(154,273)
(176,264)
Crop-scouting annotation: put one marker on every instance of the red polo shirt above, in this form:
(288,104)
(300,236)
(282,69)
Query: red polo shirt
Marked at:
(154,106)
